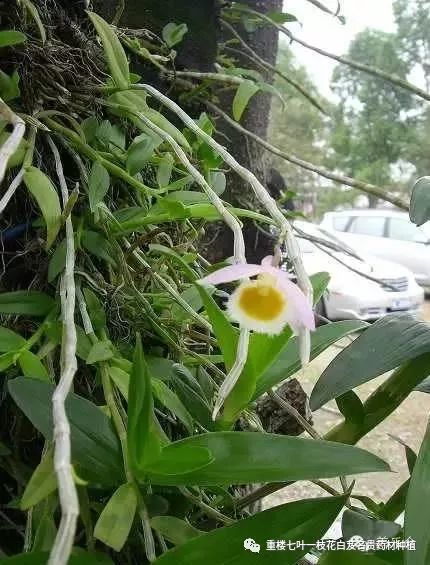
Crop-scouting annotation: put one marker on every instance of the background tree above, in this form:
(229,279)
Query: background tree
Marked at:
(298,126)
(413,23)
(372,123)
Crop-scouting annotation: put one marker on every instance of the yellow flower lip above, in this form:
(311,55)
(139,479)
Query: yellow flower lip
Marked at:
(261,300)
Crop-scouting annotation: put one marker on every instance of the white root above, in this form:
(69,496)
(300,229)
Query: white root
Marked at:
(262,194)
(239,257)
(12,143)
(63,543)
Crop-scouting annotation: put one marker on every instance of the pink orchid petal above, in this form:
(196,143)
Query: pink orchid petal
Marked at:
(301,311)
(233,273)
(267,261)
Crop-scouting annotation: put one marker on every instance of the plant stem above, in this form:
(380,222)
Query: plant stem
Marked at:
(396,80)
(62,547)
(354,183)
(251,54)
(213,512)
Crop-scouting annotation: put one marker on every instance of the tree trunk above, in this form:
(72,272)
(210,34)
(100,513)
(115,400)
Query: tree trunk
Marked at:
(198,51)
(264,41)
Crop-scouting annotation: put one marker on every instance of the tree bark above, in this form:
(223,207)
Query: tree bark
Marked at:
(198,51)
(264,41)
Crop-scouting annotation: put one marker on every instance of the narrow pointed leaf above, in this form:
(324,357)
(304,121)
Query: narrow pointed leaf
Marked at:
(114,523)
(10,340)
(142,441)
(47,199)
(288,361)
(245,91)
(33,367)
(98,184)
(251,457)
(26,302)
(43,481)
(96,452)
(174,529)
(386,344)
(114,53)
(304,520)
(11,37)
(418,499)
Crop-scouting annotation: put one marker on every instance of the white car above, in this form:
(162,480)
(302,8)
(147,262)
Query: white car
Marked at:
(364,288)
(387,234)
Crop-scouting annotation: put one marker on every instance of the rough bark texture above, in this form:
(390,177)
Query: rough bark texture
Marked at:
(198,51)
(264,41)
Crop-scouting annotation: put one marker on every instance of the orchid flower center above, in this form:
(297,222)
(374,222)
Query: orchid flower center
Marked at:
(262,299)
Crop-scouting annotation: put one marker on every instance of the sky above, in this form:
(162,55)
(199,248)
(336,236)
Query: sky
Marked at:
(327,32)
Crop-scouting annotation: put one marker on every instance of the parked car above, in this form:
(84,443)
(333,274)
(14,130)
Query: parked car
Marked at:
(387,234)
(360,287)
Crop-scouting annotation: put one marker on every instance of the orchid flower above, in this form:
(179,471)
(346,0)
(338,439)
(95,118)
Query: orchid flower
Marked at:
(267,304)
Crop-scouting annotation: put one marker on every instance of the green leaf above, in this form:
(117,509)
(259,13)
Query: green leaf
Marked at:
(392,340)
(419,210)
(114,53)
(97,245)
(304,520)
(11,37)
(172,254)
(33,367)
(9,87)
(42,483)
(281,17)
(98,184)
(26,302)
(174,460)
(357,523)
(47,199)
(173,33)
(36,17)
(90,126)
(351,407)
(164,171)
(7,359)
(121,379)
(418,499)
(136,102)
(96,452)
(57,262)
(171,401)
(114,523)
(142,440)
(245,91)
(138,154)
(41,558)
(96,310)
(174,529)
(253,457)
(227,336)
(319,283)
(194,401)
(10,341)
(288,362)
(217,181)
(100,351)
